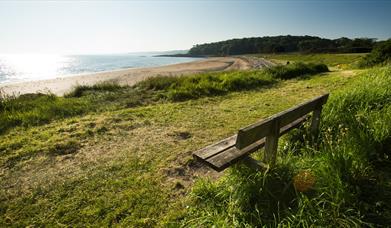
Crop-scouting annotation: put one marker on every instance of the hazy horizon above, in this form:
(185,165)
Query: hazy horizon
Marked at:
(97,27)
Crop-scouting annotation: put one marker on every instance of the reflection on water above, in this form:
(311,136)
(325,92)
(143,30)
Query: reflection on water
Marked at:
(30,67)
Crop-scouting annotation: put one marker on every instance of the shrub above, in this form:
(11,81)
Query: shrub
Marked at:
(212,84)
(35,109)
(380,55)
(296,70)
(80,90)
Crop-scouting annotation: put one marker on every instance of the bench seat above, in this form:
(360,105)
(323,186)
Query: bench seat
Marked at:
(224,153)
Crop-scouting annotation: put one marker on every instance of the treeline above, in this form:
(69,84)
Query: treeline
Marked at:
(283,44)
(380,55)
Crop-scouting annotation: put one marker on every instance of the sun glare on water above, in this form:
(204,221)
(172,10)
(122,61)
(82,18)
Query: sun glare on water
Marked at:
(20,67)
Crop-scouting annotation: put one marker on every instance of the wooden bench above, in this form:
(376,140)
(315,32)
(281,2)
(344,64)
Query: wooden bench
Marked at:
(262,134)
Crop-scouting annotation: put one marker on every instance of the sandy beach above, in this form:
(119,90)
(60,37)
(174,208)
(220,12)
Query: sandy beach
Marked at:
(62,85)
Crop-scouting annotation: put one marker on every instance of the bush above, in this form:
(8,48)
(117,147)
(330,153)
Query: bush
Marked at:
(212,84)
(81,90)
(35,109)
(297,70)
(380,55)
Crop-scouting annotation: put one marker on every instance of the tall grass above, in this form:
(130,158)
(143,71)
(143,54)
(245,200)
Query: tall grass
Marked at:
(82,90)
(35,109)
(212,84)
(355,136)
(296,70)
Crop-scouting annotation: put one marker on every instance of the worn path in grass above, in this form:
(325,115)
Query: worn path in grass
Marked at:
(132,166)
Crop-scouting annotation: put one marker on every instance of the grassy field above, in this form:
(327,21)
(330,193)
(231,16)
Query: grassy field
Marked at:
(30,110)
(337,61)
(130,164)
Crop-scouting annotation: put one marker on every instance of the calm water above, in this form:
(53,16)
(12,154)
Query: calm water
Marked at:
(30,67)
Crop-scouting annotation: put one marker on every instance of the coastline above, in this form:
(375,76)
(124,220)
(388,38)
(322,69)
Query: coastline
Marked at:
(130,76)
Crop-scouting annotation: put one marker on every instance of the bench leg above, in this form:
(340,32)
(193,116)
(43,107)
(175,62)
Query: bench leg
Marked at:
(316,121)
(271,144)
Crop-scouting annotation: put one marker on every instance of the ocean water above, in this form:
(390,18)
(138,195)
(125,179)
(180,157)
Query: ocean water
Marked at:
(31,67)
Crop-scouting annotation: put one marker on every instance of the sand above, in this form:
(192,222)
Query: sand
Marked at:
(62,85)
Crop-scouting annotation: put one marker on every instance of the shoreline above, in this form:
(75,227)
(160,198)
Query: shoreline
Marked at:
(129,76)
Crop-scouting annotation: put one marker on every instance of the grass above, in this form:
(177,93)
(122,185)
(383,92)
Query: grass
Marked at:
(127,160)
(340,61)
(84,90)
(200,85)
(345,163)
(36,109)
(130,167)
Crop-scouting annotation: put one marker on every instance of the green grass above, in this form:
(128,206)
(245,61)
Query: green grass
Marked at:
(345,161)
(126,159)
(36,109)
(83,90)
(200,85)
(128,165)
(342,61)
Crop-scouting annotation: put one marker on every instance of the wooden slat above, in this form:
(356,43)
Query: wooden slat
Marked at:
(292,125)
(299,111)
(232,155)
(254,132)
(249,135)
(216,148)
(223,159)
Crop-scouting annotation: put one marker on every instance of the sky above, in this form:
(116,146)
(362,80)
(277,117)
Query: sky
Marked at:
(97,27)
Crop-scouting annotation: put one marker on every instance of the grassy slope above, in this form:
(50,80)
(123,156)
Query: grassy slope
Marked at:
(125,166)
(349,164)
(341,61)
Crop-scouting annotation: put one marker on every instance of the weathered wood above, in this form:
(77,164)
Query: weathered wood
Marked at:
(232,155)
(229,155)
(249,135)
(293,125)
(254,132)
(272,143)
(216,148)
(302,109)
(316,120)
(265,133)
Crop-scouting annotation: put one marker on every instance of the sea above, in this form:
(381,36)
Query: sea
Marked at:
(32,67)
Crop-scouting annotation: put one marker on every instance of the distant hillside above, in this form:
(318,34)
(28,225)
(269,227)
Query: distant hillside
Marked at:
(283,44)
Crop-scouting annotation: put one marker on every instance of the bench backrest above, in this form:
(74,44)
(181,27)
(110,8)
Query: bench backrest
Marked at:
(253,133)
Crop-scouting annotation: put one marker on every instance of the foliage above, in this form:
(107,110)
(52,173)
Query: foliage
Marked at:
(342,61)
(348,191)
(283,44)
(36,109)
(211,84)
(296,70)
(81,90)
(125,166)
(380,55)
